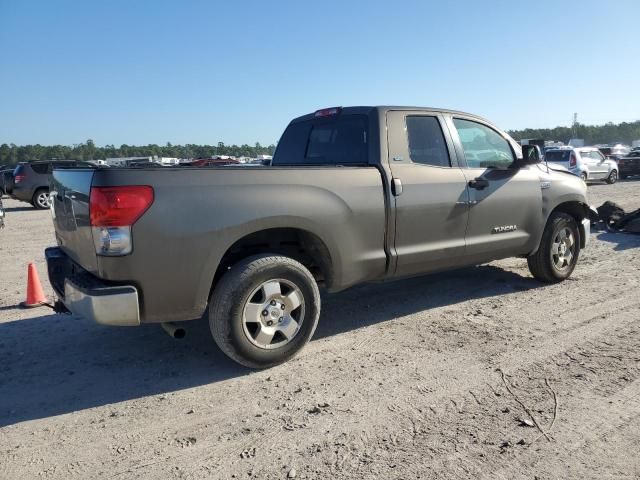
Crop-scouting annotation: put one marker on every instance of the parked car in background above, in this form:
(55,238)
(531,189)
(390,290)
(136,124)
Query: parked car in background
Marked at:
(615,151)
(629,165)
(6,181)
(586,162)
(31,180)
(210,162)
(146,164)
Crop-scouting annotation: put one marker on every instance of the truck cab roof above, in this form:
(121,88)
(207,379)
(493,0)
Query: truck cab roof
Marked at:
(382,109)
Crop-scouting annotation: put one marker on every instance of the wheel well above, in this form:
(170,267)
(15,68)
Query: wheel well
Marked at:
(301,245)
(579,211)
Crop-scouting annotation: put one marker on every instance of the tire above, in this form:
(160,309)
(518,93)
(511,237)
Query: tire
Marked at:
(584,177)
(547,266)
(245,293)
(613,177)
(40,199)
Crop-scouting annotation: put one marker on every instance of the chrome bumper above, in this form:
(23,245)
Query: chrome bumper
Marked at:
(87,296)
(117,306)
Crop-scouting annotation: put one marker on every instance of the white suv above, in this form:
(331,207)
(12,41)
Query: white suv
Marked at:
(586,162)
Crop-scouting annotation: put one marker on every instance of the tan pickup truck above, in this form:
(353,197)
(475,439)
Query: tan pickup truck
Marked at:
(353,195)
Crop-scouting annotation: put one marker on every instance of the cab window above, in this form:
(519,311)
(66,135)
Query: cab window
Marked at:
(426,141)
(483,147)
(337,140)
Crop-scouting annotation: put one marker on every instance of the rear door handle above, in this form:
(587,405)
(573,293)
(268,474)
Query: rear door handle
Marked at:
(479,183)
(396,187)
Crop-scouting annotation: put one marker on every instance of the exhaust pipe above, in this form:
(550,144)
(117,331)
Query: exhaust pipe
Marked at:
(173,329)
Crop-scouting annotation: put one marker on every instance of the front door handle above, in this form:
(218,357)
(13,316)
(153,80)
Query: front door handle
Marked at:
(479,183)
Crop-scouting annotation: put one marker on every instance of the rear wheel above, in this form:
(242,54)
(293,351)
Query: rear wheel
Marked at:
(559,249)
(264,310)
(41,199)
(613,177)
(583,176)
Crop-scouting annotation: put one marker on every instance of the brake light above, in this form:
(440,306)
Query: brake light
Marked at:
(18,178)
(112,211)
(118,206)
(573,160)
(327,112)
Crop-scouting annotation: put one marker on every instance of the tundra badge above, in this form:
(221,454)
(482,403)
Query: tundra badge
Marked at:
(504,229)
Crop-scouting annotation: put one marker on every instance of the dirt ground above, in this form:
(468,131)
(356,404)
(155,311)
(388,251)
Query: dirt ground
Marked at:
(403,380)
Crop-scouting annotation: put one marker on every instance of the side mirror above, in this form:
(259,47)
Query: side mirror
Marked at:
(530,155)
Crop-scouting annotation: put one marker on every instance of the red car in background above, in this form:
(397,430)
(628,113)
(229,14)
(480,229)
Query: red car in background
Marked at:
(211,162)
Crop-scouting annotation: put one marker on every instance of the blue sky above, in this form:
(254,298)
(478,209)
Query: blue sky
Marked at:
(141,72)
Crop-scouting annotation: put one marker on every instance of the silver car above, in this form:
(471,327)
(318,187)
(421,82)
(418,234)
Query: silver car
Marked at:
(587,163)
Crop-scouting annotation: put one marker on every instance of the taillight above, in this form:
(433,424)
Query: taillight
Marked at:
(572,160)
(118,206)
(18,179)
(112,211)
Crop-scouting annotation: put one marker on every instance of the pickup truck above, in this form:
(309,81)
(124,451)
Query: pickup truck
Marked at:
(630,163)
(352,195)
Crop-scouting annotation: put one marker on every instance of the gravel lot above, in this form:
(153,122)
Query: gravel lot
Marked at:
(403,380)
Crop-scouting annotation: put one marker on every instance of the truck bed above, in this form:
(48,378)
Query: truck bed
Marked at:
(197,216)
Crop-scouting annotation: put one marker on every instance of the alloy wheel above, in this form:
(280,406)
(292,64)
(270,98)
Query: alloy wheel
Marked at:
(563,249)
(273,314)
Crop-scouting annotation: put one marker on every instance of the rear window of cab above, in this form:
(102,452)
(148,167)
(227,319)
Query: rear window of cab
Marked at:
(337,140)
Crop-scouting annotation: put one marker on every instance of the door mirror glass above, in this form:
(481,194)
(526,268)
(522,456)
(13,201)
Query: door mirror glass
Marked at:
(531,154)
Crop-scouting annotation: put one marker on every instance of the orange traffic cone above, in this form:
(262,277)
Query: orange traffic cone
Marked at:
(35,295)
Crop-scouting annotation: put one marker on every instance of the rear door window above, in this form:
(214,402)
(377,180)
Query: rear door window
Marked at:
(426,141)
(40,167)
(341,140)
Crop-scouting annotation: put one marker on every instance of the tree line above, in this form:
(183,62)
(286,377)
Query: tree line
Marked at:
(11,154)
(625,132)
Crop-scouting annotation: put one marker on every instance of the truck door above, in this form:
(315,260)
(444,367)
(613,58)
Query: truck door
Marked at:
(430,193)
(505,203)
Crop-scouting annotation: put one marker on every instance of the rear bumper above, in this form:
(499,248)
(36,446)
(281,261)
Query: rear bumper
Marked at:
(89,297)
(22,192)
(633,169)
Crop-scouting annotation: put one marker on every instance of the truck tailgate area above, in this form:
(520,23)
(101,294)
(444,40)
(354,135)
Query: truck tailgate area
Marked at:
(70,191)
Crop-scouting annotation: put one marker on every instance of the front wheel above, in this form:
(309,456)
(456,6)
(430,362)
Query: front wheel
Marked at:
(264,310)
(559,249)
(613,177)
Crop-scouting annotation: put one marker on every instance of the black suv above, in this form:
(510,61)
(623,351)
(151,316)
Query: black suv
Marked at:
(31,180)
(6,181)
